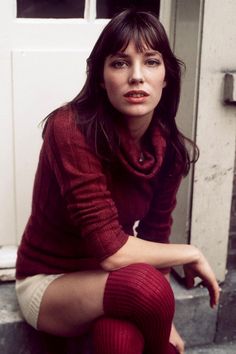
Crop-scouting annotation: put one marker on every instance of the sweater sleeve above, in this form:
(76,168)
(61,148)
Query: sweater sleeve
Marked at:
(83,186)
(156,226)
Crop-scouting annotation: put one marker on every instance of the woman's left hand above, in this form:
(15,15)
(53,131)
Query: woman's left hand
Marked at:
(202,269)
(176,340)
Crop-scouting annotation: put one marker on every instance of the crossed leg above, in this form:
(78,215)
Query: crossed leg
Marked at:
(138,294)
(72,302)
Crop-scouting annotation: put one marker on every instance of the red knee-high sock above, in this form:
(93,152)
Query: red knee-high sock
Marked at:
(115,336)
(142,295)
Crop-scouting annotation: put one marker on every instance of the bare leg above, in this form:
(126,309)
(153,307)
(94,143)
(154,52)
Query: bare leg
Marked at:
(137,293)
(71,302)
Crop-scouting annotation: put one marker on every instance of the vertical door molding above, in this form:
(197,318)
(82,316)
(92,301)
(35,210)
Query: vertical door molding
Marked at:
(186,43)
(216,128)
(7,186)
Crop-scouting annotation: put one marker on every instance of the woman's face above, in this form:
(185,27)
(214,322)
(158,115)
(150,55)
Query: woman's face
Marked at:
(134,81)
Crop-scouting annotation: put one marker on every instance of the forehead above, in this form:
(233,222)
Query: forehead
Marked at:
(132,48)
(142,38)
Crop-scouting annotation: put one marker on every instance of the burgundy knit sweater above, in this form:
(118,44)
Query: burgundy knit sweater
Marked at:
(82,211)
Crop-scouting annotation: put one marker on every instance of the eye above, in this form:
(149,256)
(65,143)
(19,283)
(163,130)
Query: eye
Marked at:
(119,64)
(153,62)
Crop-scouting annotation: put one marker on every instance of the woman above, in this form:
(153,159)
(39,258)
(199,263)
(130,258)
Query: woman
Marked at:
(111,157)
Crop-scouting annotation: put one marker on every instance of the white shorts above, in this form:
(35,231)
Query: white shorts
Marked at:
(30,292)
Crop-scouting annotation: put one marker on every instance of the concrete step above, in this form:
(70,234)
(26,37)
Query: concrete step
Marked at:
(194,318)
(225,348)
(198,324)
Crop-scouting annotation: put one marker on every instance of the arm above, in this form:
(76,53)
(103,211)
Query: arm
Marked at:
(157,254)
(88,206)
(156,225)
(166,255)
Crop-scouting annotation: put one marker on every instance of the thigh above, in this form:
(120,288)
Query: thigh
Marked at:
(71,302)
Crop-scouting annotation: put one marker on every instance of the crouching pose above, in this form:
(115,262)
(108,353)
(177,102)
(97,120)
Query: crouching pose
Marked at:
(111,157)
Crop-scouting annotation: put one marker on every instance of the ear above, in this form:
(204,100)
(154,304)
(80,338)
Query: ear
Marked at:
(103,85)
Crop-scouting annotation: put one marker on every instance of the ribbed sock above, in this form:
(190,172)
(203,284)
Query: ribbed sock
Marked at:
(140,294)
(115,336)
(172,349)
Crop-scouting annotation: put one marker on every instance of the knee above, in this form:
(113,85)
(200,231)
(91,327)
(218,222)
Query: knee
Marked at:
(147,283)
(146,289)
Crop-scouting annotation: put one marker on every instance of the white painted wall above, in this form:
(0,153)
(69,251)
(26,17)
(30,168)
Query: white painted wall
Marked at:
(216,128)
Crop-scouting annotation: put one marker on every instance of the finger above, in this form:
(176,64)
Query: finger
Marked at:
(214,292)
(189,283)
(189,280)
(215,297)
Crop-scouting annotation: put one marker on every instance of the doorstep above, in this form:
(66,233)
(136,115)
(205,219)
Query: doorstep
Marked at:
(196,321)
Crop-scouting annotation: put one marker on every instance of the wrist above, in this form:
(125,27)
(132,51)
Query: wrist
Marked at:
(195,254)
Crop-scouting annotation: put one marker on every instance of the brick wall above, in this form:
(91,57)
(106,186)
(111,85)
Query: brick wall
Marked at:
(231,262)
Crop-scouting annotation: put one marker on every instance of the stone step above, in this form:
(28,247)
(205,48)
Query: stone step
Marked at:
(196,321)
(194,318)
(225,348)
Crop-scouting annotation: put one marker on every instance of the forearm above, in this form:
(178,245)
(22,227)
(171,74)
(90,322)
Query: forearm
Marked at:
(159,255)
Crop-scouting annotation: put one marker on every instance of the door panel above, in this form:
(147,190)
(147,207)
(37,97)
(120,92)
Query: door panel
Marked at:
(43,81)
(42,65)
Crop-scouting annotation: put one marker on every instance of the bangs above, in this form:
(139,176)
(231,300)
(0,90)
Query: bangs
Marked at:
(144,37)
(142,28)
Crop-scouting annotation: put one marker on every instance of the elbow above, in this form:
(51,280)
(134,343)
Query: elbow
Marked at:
(116,261)
(121,258)
(111,263)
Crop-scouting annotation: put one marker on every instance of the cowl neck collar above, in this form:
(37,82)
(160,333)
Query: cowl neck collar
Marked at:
(144,162)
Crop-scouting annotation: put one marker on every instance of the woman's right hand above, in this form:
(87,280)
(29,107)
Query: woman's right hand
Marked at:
(201,268)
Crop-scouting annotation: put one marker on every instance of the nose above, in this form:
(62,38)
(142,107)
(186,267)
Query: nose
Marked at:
(136,74)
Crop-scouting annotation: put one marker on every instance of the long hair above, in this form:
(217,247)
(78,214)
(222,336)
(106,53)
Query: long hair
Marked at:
(94,112)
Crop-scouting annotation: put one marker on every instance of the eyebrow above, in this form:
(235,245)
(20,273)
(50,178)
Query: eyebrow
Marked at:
(146,54)
(152,53)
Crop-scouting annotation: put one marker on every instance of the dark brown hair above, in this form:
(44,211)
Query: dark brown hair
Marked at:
(94,112)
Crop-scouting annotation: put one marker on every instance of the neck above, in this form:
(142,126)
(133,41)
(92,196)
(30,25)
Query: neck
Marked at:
(137,127)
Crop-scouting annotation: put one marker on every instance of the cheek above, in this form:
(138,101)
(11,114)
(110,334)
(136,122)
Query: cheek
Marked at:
(158,87)
(160,82)
(161,78)
(112,86)
(111,81)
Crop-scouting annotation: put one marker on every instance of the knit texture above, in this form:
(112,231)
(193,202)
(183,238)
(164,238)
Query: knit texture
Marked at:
(82,210)
(116,336)
(142,295)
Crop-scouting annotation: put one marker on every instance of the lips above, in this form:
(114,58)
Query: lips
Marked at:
(136,94)
(136,97)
